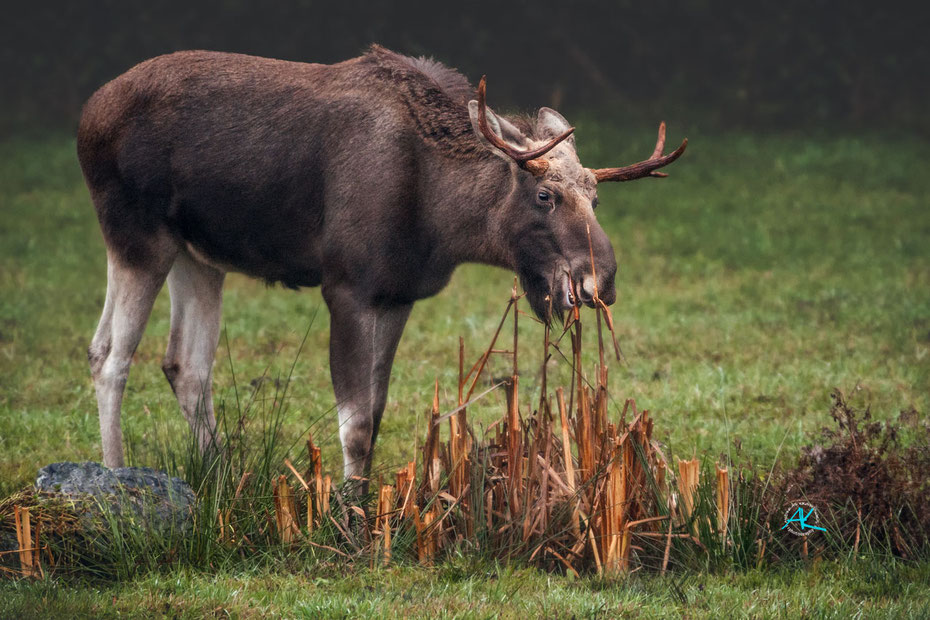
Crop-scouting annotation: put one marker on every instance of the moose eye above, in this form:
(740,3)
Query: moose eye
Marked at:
(543,196)
(594,203)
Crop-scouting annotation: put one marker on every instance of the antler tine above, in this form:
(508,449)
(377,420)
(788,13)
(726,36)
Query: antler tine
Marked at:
(660,142)
(545,148)
(520,156)
(647,168)
(491,137)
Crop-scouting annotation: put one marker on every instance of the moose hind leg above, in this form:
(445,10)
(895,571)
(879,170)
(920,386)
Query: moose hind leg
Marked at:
(196,291)
(131,291)
(363,340)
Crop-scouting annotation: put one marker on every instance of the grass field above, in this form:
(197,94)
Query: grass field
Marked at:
(829,591)
(767,270)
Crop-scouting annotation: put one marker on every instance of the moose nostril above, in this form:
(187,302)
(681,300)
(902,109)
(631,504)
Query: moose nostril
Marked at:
(587,287)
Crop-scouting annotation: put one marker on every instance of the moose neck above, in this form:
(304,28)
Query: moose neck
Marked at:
(467,202)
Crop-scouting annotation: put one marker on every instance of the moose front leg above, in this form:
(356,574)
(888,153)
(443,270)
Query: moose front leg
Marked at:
(362,343)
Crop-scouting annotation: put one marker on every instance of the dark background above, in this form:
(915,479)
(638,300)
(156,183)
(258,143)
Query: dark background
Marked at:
(754,65)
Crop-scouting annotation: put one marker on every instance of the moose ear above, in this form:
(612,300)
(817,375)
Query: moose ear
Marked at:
(550,124)
(501,126)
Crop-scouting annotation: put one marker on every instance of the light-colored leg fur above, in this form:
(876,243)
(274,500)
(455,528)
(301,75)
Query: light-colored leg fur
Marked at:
(363,341)
(196,291)
(130,295)
(361,399)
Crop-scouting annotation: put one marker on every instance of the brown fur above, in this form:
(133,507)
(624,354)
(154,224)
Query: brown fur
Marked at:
(435,96)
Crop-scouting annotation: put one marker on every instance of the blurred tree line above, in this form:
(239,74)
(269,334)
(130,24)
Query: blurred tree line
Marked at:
(788,64)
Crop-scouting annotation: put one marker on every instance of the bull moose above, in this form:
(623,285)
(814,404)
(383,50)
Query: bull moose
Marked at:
(373,178)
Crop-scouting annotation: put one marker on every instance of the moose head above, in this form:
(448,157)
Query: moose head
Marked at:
(559,250)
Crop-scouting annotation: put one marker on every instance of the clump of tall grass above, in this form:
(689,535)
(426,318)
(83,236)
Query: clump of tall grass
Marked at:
(871,486)
(233,522)
(574,484)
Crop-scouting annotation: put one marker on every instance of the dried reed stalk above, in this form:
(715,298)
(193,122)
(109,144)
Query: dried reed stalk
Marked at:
(284,510)
(317,496)
(383,518)
(431,461)
(29,562)
(723,500)
(689,474)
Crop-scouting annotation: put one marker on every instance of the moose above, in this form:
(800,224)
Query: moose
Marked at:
(372,178)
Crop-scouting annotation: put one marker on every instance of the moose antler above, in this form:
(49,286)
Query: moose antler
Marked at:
(644,168)
(524,158)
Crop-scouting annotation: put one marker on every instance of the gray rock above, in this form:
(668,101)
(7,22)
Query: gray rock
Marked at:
(142,494)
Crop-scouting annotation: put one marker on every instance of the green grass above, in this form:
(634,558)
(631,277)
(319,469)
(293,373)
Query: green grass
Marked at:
(456,590)
(764,272)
